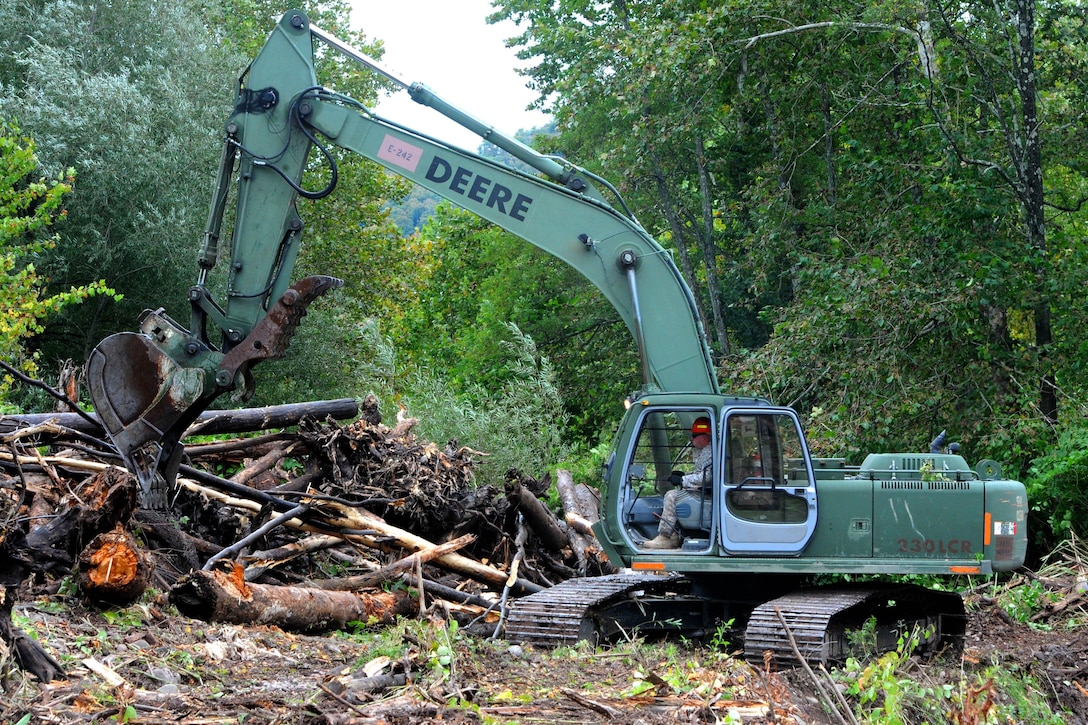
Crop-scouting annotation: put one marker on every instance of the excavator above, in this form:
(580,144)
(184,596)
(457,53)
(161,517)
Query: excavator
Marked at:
(795,549)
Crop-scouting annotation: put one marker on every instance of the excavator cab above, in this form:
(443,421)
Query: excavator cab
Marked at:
(662,455)
(757,495)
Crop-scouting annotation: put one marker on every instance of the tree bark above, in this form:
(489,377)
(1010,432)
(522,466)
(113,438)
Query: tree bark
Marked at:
(225,596)
(571,498)
(709,249)
(1029,169)
(537,515)
(210,421)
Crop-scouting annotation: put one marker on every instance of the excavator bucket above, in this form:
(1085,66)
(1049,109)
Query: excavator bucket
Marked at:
(138,390)
(148,387)
(145,398)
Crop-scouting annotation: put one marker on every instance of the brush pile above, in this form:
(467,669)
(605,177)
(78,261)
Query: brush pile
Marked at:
(324,504)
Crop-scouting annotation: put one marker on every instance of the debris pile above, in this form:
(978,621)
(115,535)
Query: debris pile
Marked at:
(312,522)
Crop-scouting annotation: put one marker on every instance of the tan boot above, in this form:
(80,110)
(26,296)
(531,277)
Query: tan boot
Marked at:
(662,541)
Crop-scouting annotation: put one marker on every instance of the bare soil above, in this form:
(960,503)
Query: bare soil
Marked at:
(147,664)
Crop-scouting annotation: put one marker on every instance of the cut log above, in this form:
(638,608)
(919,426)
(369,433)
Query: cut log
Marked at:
(210,421)
(577,534)
(573,499)
(225,596)
(537,515)
(113,569)
(273,416)
(581,504)
(580,525)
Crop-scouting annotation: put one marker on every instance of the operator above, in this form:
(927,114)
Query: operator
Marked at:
(668,533)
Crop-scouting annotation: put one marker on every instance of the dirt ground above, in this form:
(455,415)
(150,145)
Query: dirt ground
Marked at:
(147,664)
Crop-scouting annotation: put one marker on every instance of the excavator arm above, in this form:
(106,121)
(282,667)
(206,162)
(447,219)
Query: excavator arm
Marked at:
(149,386)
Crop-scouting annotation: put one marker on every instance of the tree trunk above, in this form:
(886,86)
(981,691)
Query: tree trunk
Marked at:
(537,515)
(668,208)
(709,249)
(218,596)
(210,421)
(1030,172)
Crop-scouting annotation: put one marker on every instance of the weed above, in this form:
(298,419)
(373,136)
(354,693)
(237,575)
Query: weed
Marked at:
(894,690)
(862,641)
(1023,700)
(441,656)
(127,618)
(885,691)
(720,640)
(1024,602)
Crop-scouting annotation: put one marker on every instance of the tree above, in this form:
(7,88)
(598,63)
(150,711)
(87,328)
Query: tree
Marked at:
(134,96)
(836,168)
(130,95)
(479,280)
(29,205)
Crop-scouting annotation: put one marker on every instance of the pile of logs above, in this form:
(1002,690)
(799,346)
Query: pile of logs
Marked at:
(323,506)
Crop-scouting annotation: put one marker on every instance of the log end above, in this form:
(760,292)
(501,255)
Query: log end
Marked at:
(113,569)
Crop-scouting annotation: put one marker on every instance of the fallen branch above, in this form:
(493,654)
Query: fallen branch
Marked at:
(264,463)
(537,516)
(598,707)
(833,702)
(343,517)
(398,567)
(30,655)
(260,562)
(338,520)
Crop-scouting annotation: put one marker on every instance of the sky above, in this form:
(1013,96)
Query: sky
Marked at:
(448,46)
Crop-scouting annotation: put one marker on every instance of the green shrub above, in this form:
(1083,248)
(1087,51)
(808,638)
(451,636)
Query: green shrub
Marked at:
(1057,490)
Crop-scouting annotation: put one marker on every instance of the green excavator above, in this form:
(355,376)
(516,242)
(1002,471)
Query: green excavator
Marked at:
(753,531)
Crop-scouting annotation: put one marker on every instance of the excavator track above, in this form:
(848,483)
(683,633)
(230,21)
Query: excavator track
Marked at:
(568,612)
(821,621)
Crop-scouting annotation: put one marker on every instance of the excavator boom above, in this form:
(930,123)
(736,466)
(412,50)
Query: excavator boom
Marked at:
(148,386)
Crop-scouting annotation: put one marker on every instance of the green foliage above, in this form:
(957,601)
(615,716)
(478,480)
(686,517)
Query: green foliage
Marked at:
(519,426)
(131,95)
(886,693)
(29,204)
(873,234)
(892,690)
(479,279)
(1057,489)
(1021,699)
(721,641)
(1025,601)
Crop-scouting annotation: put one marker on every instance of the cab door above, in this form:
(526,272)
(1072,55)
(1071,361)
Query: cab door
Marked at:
(768,497)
